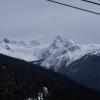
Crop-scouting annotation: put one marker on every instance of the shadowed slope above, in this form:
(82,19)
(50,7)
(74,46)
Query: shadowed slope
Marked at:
(20,79)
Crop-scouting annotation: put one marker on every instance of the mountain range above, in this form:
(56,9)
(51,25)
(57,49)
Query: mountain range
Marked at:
(63,56)
(59,53)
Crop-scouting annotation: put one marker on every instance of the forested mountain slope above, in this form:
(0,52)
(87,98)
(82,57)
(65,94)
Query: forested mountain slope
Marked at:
(20,79)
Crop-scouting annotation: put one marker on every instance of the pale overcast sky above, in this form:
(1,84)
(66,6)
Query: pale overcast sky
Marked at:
(41,20)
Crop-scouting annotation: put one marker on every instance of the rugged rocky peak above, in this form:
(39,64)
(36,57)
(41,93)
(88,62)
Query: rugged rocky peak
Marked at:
(5,40)
(59,42)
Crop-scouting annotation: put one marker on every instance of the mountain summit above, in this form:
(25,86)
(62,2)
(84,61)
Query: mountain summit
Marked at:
(59,41)
(5,40)
(62,52)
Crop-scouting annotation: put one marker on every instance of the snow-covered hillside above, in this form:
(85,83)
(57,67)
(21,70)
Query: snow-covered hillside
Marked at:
(19,49)
(60,53)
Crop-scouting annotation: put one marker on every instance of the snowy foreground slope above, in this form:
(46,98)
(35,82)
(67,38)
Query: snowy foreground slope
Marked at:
(61,52)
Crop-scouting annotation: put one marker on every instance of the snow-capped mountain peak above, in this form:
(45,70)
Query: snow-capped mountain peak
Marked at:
(59,41)
(30,43)
(63,52)
(5,40)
